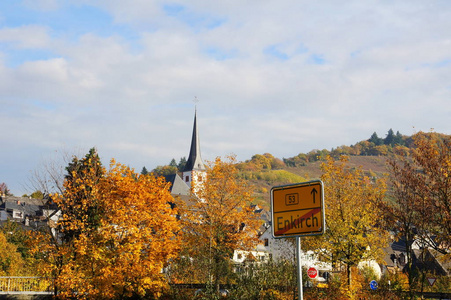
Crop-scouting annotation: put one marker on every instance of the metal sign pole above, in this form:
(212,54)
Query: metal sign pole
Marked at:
(298,254)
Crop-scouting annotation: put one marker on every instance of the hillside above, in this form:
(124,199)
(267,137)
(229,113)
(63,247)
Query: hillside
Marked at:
(310,171)
(265,171)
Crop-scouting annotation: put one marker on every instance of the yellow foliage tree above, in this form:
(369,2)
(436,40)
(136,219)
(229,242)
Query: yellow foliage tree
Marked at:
(218,220)
(11,262)
(352,231)
(118,241)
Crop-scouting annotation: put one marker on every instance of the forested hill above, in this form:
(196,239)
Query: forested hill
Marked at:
(374,146)
(265,171)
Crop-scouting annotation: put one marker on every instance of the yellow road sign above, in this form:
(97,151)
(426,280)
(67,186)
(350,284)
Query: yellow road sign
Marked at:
(298,209)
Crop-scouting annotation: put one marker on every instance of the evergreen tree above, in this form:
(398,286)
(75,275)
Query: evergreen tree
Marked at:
(390,138)
(398,140)
(80,181)
(144,171)
(375,139)
(182,164)
(173,163)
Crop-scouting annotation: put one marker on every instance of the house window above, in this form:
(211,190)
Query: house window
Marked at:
(187,178)
(266,242)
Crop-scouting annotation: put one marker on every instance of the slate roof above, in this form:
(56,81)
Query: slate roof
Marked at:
(30,207)
(194,161)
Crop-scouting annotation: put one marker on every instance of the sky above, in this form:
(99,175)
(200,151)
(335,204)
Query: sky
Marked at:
(281,77)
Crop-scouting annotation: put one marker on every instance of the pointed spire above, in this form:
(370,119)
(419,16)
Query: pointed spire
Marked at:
(194,159)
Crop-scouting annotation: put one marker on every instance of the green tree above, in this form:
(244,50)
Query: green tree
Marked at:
(144,171)
(390,138)
(182,163)
(37,195)
(398,140)
(173,163)
(80,183)
(375,139)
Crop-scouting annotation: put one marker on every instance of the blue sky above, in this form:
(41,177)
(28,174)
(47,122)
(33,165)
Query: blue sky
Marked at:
(282,77)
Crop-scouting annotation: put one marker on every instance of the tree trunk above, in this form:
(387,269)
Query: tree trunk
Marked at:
(348,270)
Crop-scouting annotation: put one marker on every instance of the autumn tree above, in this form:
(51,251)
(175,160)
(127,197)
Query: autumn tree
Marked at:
(218,220)
(80,190)
(117,232)
(4,190)
(352,232)
(18,236)
(401,210)
(164,170)
(11,262)
(432,159)
(422,192)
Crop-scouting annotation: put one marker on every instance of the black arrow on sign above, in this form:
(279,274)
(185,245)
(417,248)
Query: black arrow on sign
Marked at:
(313,192)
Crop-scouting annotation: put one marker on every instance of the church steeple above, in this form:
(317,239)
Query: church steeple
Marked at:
(194,162)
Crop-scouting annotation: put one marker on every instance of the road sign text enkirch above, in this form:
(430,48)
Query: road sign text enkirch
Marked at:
(298,209)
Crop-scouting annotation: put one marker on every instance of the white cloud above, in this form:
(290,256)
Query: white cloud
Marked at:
(26,36)
(275,77)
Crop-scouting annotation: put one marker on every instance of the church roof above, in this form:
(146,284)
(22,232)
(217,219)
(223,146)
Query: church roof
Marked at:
(194,161)
(178,186)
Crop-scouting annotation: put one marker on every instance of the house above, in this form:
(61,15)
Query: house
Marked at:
(24,210)
(285,249)
(423,258)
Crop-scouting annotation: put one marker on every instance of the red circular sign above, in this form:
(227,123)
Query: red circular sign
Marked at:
(312,272)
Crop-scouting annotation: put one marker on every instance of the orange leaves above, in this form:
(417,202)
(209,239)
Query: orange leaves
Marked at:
(116,233)
(218,219)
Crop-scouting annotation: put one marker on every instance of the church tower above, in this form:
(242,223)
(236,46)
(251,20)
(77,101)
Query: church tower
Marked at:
(195,171)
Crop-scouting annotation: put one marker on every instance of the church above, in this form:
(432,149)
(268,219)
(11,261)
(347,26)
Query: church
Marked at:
(194,171)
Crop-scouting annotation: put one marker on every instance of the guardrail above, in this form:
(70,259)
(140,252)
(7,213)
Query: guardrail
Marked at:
(25,285)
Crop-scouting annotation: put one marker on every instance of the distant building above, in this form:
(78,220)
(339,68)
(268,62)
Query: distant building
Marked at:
(24,210)
(194,172)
